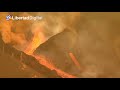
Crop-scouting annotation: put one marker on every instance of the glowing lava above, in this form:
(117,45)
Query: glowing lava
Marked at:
(36,41)
(74,60)
(42,60)
(38,38)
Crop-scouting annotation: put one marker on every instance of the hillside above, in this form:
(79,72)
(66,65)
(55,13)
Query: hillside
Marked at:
(14,63)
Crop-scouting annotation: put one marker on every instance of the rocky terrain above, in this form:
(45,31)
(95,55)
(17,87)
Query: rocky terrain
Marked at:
(88,47)
(96,46)
(16,64)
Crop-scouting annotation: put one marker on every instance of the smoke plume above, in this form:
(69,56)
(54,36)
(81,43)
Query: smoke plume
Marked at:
(20,33)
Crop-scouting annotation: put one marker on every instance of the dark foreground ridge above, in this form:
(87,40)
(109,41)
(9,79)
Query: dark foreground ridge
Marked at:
(57,48)
(11,57)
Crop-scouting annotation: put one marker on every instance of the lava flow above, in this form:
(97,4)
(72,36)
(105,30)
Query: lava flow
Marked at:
(36,41)
(61,73)
(38,38)
(74,60)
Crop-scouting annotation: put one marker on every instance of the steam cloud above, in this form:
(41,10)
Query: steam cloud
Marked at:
(20,33)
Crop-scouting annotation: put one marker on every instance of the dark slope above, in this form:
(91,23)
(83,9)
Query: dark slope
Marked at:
(97,46)
(10,60)
(57,48)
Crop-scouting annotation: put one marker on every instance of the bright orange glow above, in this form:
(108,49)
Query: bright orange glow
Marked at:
(74,60)
(61,73)
(36,41)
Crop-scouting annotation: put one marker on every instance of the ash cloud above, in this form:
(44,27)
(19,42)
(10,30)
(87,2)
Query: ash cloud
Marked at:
(20,33)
